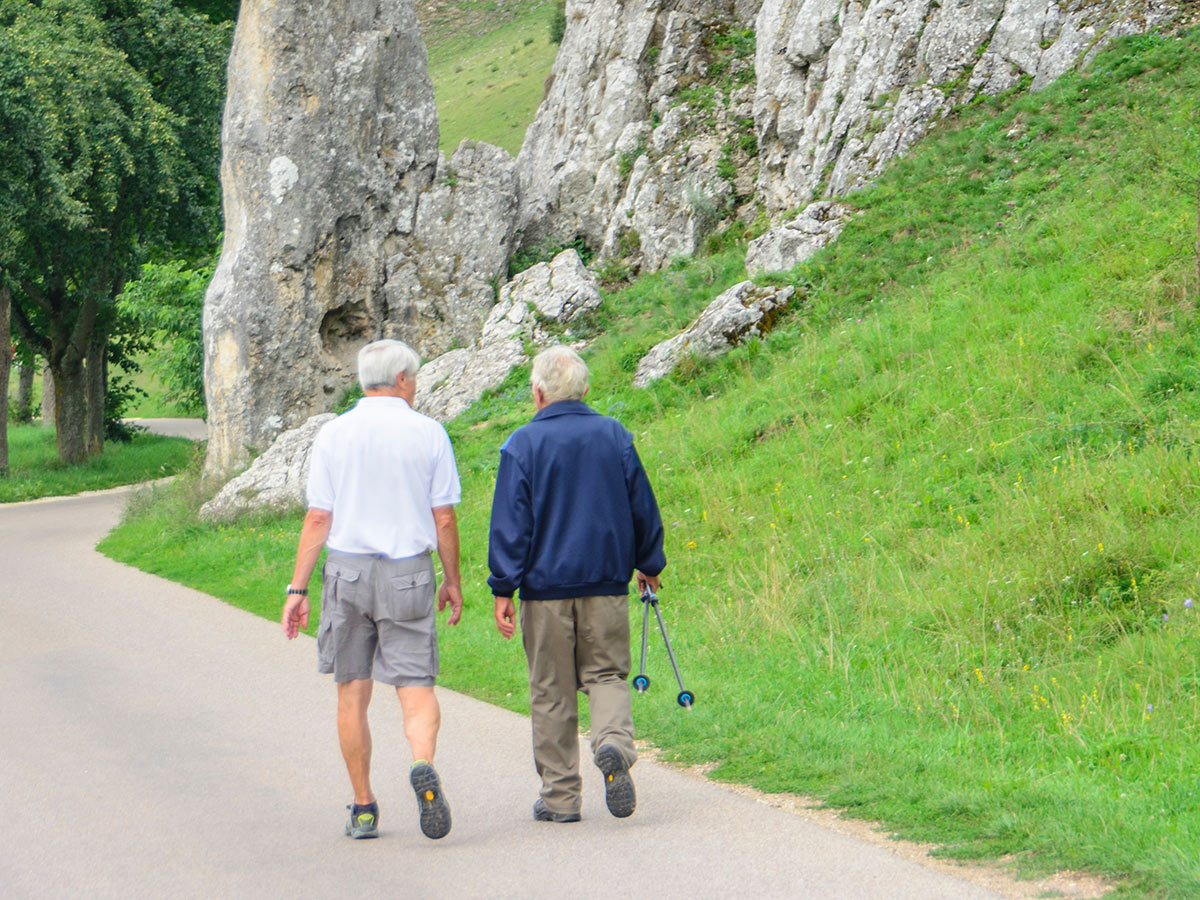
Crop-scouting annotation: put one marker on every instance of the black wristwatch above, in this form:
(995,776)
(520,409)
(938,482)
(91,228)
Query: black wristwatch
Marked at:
(303,592)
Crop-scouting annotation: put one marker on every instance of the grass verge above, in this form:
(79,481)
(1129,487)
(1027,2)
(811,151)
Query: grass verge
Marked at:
(35,470)
(932,542)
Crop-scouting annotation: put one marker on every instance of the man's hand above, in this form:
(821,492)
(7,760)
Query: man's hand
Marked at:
(295,615)
(506,617)
(451,595)
(647,581)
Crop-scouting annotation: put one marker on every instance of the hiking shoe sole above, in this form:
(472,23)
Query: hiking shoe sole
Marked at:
(542,814)
(434,810)
(619,793)
(364,825)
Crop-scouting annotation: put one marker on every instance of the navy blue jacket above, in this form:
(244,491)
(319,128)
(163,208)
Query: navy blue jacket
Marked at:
(573,514)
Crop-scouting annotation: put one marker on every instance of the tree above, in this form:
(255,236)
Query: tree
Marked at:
(109,148)
(167,301)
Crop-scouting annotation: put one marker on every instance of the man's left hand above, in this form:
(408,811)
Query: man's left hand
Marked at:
(451,595)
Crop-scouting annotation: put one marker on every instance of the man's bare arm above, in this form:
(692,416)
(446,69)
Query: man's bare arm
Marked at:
(450,592)
(317,523)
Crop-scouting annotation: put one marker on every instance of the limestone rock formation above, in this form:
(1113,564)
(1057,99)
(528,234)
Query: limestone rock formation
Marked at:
(558,292)
(616,155)
(340,227)
(744,311)
(843,87)
(276,480)
(666,119)
(782,248)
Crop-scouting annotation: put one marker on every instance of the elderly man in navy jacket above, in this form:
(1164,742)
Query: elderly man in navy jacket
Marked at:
(573,517)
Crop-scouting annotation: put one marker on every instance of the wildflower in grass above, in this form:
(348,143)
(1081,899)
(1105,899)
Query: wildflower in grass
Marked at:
(1187,604)
(691,545)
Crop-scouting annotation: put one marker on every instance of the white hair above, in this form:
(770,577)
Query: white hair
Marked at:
(381,362)
(560,374)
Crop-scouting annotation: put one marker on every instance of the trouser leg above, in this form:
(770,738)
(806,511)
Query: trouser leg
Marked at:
(548,634)
(602,659)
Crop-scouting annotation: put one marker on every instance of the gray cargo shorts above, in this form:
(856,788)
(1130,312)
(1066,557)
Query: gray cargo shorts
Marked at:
(377,619)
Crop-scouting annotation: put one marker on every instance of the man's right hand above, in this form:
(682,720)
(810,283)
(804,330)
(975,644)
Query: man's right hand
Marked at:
(295,615)
(647,581)
(506,617)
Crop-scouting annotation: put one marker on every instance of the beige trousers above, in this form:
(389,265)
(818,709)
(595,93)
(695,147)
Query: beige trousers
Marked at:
(581,644)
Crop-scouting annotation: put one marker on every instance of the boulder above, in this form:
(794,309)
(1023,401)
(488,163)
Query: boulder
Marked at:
(558,292)
(782,249)
(276,480)
(744,311)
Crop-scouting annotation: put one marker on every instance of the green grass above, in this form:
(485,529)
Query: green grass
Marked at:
(488,86)
(36,472)
(932,543)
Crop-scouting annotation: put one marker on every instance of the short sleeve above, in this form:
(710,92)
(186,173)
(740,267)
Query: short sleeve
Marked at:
(445,489)
(320,478)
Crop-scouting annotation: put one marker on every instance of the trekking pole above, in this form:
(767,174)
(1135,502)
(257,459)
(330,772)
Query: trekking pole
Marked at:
(641,682)
(686,698)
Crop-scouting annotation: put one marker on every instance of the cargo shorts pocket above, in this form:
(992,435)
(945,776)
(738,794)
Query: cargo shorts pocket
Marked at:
(338,585)
(411,596)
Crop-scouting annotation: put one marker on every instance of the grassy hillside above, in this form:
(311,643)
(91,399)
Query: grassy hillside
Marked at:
(933,542)
(488,63)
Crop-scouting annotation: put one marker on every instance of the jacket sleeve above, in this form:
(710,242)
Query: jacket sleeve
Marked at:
(647,523)
(511,529)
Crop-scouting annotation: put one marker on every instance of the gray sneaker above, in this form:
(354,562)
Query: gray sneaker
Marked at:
(431,802)
(619,794)
(542,814)
(364,821)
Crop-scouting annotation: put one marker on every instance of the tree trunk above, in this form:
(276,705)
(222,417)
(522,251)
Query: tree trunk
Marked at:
(5,368)
(49,404)
(70,412)
(25,393)
(96,381)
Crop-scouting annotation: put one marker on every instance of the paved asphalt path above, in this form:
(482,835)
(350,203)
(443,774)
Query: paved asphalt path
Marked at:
(155,742)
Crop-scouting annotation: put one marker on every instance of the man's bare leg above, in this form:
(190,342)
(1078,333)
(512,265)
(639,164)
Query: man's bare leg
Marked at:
(354,734)
(422,719)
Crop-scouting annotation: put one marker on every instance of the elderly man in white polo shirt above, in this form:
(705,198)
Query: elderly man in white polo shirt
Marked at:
(381,494)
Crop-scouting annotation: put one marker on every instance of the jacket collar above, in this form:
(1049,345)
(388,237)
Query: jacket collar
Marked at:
(564,408)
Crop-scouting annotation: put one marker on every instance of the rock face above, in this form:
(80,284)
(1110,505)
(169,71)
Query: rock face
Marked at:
(843,87)
(744,311)
(782,248)
(340,227)
(275,480)
(615,155)
(557,293)
(664,120)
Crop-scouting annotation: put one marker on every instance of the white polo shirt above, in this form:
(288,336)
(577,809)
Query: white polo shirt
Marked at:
(381,468)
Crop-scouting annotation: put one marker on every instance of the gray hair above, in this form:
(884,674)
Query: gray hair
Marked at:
(381,362)
(560,374)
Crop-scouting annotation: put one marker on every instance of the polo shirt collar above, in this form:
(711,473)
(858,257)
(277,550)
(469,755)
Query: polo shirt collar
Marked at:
(382,402)
(565,408)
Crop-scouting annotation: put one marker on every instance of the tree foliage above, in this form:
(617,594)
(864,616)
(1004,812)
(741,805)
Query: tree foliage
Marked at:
(109,149)
(167,301)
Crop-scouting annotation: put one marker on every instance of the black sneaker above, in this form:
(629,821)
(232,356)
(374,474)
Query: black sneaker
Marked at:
(364,821)
(619,794)
(542,814)
(434,810)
